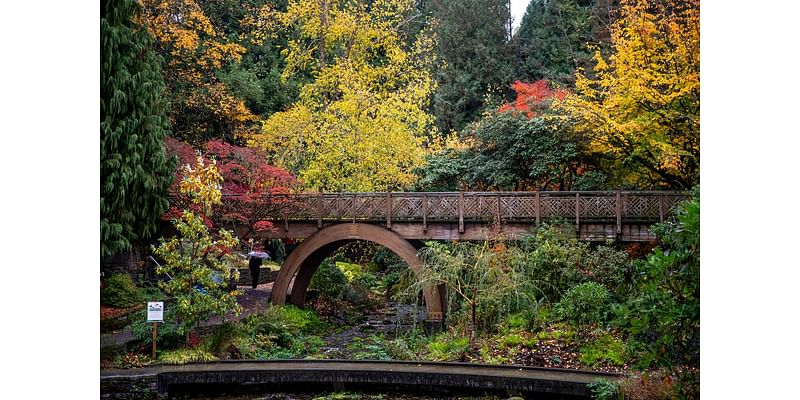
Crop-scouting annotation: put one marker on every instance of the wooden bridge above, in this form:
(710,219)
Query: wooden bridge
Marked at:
(402,221)
(597,216)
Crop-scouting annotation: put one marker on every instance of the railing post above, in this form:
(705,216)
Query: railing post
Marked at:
(389,210)
(319,210)
(354,208)
(577,211)
(619,212)
(660,207)
(460,212)
(425,212)
(538,208)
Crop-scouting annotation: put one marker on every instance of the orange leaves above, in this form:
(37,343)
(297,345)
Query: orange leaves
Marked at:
(532,97)
(195,52)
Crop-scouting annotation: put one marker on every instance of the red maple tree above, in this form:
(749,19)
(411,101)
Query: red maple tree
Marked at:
(253,191)
(532,98)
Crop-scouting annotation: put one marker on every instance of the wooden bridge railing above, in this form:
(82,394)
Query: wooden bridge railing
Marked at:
(461,207)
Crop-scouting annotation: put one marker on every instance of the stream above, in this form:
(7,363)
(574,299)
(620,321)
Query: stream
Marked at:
(388,321)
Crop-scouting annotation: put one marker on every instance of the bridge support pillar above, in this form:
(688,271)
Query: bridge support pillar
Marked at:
(433,326)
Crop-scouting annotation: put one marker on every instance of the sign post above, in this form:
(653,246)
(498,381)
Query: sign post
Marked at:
(155,314)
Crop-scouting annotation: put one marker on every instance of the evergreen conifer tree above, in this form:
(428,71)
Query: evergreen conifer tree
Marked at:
(474,58)
(134,169)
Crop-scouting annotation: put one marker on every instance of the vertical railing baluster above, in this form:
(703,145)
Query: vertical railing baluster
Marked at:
(619,212)
(389,210)
(354,208)
(460,212)
(577,211)
(538,208)
(499,215)
(660,207)
(319,210)
(425,212)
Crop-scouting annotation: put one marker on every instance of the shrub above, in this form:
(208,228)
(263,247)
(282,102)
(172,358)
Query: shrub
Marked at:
(223,336)
(170,334)
(130,360)
(584,303)
(446,348)
(329,281)
(281,332)
(604,389)
(661,317)
(604,349)
(370,348)
(185,356)
(120,291)
(607,266)
(553,258)
(655,386)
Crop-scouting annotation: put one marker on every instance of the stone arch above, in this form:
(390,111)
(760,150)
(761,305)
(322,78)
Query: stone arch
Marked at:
(304,260)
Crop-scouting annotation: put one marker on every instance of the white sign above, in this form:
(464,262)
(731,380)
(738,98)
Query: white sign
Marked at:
(155,311)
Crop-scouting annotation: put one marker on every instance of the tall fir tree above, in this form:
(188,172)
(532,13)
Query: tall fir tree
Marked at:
(474,58)
(134,169)
(556,37)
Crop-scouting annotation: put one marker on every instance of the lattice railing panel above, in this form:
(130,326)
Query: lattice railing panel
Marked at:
(518,207)
(371,207)
(598,207)
(558,207)
(306,207)
(670,202)
(407,207)
(443,208)
(480,207)
(337,207)
(640,206)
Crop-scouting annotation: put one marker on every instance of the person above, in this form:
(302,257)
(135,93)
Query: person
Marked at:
(255,269)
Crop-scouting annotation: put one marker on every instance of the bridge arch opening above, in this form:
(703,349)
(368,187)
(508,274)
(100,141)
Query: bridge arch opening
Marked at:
(301,264)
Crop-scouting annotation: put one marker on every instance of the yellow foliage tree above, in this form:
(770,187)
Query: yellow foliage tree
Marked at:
(642,109)
(202,107)
(360,124)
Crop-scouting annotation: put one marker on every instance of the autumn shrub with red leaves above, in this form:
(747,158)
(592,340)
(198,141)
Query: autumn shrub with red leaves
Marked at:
(252,189)
(533,98)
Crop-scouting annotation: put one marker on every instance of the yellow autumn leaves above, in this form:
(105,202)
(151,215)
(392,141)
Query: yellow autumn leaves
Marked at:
(642,107)
(360,124)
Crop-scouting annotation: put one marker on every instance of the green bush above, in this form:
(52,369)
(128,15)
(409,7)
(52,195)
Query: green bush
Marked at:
(370,348)
(170,334)
(551,260)
(281,332)
(329,281)
(446,348)
(120,291)
(284,319)
(661,317)
(223,336)
(603,349)
(584,304)
(604,389)
(185,356)
(607,266)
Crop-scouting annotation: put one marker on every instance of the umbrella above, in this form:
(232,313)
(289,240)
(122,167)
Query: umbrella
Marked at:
(259,254)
